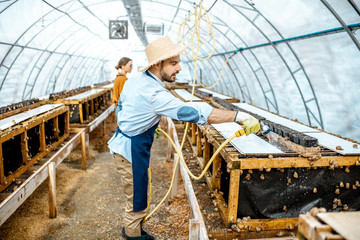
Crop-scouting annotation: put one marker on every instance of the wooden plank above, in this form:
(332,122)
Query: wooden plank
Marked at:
(93,124)
(13,120)
(206,151)
(85,95)
(174,189)
(83,151)
(12,202)
(307,226)
(2,176)
(87,111)
(291,162)
(344,223)
(92,107)
(194,229)
(42,137)
(198,142)
(233,195)
(269,224)
(194,205)
(52,190)
(24,147)
(56,126)
(193,133)
(216,176)
(19,110)
(170,148)
(81,113)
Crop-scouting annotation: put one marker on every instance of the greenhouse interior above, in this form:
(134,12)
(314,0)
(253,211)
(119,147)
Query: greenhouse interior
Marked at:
(179,119)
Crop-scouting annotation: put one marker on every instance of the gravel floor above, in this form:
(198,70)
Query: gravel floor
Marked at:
(90,203)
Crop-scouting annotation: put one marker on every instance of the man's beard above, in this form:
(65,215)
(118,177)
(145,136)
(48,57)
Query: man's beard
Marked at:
(165,77)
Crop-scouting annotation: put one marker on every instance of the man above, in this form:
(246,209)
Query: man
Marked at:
(143,101)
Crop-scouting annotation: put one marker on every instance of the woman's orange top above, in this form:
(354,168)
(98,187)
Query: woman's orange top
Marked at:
(118,86)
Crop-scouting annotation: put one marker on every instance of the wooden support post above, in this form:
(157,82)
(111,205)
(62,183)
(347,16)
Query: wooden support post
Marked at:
(24,147)
(233,196)
(56,127)
(81,113)
(198,143)
(92,107)
(42,137)
(67,123)
(206,152)
(216,176)
(194,229)
(170,148)
(87,144)
(2,176)
(83,151)
(52,190)
(193,133)
(102,128)
(87,111)
(174,189)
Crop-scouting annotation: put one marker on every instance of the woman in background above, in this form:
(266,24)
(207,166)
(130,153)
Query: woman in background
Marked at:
(124,67)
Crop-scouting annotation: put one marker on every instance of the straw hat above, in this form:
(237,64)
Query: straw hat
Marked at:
(161,49)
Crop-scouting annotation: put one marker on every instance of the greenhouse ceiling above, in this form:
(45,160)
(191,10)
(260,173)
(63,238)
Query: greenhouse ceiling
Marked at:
(298,58)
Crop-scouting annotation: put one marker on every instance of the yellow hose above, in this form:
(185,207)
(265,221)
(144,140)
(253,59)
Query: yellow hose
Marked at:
(196,18)
(237,134)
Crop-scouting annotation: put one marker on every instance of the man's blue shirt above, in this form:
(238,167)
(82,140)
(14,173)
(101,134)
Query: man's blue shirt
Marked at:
(143,101)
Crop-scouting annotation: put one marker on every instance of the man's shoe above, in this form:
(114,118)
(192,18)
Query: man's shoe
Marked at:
(144,236)
(143,233)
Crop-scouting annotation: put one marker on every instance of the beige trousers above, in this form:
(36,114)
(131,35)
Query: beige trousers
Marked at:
(132,220)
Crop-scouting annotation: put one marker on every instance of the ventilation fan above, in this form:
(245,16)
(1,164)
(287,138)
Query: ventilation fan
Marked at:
(118,29)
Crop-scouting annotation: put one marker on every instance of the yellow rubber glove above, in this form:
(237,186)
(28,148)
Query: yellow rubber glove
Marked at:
(251,124)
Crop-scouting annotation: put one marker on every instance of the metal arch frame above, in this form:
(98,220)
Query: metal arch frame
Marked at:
(267,99)
(85,69)
(26,46)
(224,24)
(12,45)
(29,92)
(201,50)
(307,109)
(72,71)
(8,6)
(78,49)
(241,87)
(305,102)
(353,4)
(61,68)
(90,74)
(333,12)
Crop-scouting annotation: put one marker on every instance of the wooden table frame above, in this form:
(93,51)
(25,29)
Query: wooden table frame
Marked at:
(40,173)
(22,130)
(202,137)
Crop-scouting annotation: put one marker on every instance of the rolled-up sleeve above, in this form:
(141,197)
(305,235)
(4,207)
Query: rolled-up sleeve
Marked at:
(164,103)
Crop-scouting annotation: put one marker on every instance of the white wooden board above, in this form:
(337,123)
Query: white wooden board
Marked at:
(110,85)
(84,94)
(186,95)
(326,140)
(214,94)
(277,119)
(11,121)
(245,144)
(331,142)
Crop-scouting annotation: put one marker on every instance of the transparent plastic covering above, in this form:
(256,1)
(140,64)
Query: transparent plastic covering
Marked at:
(298,58)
